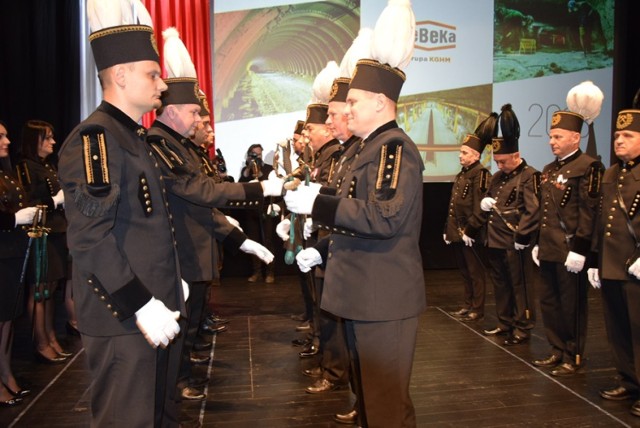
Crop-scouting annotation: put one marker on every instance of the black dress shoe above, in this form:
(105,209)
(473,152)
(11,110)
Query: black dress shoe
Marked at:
(495,332)
(305,326)
(308,352)
(323,385)
(11,403)
(64,353)
(472,317)
(313,372)
(40,357)
(565,370)
(18,394)
(619,393)
(199,359)
(202,346)
(346,418)
(551,361)
(459,313)
(190,393)
(208,329)
(215,319)
(300,317)
(635,409)
(198,382)
(300,342)
(515,340)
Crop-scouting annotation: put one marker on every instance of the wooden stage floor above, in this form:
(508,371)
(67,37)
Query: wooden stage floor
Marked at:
(460,377)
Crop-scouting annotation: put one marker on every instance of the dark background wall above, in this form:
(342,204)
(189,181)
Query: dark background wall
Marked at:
(39,78)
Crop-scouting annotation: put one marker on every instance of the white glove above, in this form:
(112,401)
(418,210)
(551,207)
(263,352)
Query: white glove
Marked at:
(574,262)
(534,255)
(273,185)
(273,210)
(519,247)
(300,201)
(235,223)
(283,228)
(25,215)
(487,203)
(308,258)
(594,277)
(634,269)
(157,323)
(444,237)
(252,247)
(185,289)
(58,199)
(308,228)
(468,241)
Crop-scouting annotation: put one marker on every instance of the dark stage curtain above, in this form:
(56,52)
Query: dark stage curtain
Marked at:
(39,65)
(191,18)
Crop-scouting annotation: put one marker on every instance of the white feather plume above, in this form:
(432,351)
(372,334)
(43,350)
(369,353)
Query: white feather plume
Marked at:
(104,14)
(394,34)
(324,81)
(177,61)
(586,100)
(141,16)
(359,49)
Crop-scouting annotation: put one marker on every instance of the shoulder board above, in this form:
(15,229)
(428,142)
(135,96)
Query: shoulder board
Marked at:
(164,153)
(485,176)
(389,167)
(23,173)
(537,178)
(94,151)
(594,176)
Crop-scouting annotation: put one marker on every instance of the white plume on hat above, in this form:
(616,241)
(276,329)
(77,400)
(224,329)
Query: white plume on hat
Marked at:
(359,49)
(177,61)
(111,13)
(324,81)
(585,99)
(394,34)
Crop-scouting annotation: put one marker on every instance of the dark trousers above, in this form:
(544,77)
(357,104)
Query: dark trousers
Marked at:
(383,359)
(620,303)
(472,270)
(195,309)
(513,291)
(130,381)
(563,304)
(333,345)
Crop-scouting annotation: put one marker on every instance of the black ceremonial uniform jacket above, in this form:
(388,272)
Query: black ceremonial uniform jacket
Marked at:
(40,180)
(515,217)
(373,262)
(324,162)
(616,245)
(465,215)
(119,233)
(192,195)
(570,192)
(13,198)
(343,166)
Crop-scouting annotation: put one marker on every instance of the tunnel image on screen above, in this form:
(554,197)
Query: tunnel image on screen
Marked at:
(267,59)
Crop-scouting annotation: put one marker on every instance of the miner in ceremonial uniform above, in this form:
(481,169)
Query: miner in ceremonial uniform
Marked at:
(192,194)
(465,220)
(512,205)
(126,283)
(618,272)
(570,193)
(374,277)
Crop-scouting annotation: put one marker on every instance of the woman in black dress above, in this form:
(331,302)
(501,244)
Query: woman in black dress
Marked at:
(40,179)
(13,244)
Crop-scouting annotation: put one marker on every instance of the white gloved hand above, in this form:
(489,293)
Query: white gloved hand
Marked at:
(534,255)
(252,247)
(444,237)
(594,277)
(634,269)
(308,228)
(185,289)
(468,241)
(235,223)
(574,262)
(519,247)
(300,201)
(273,185)
(308,258)
(157,323)
(58,199)
(283,228)
(487,203)
(25,215)
(273,210)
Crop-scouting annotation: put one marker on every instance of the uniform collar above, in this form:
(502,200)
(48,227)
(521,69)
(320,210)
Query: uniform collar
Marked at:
(387,126)
(629,165)
(172,133)
(516,171)
(570,158)
(125,120)
(470,167)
